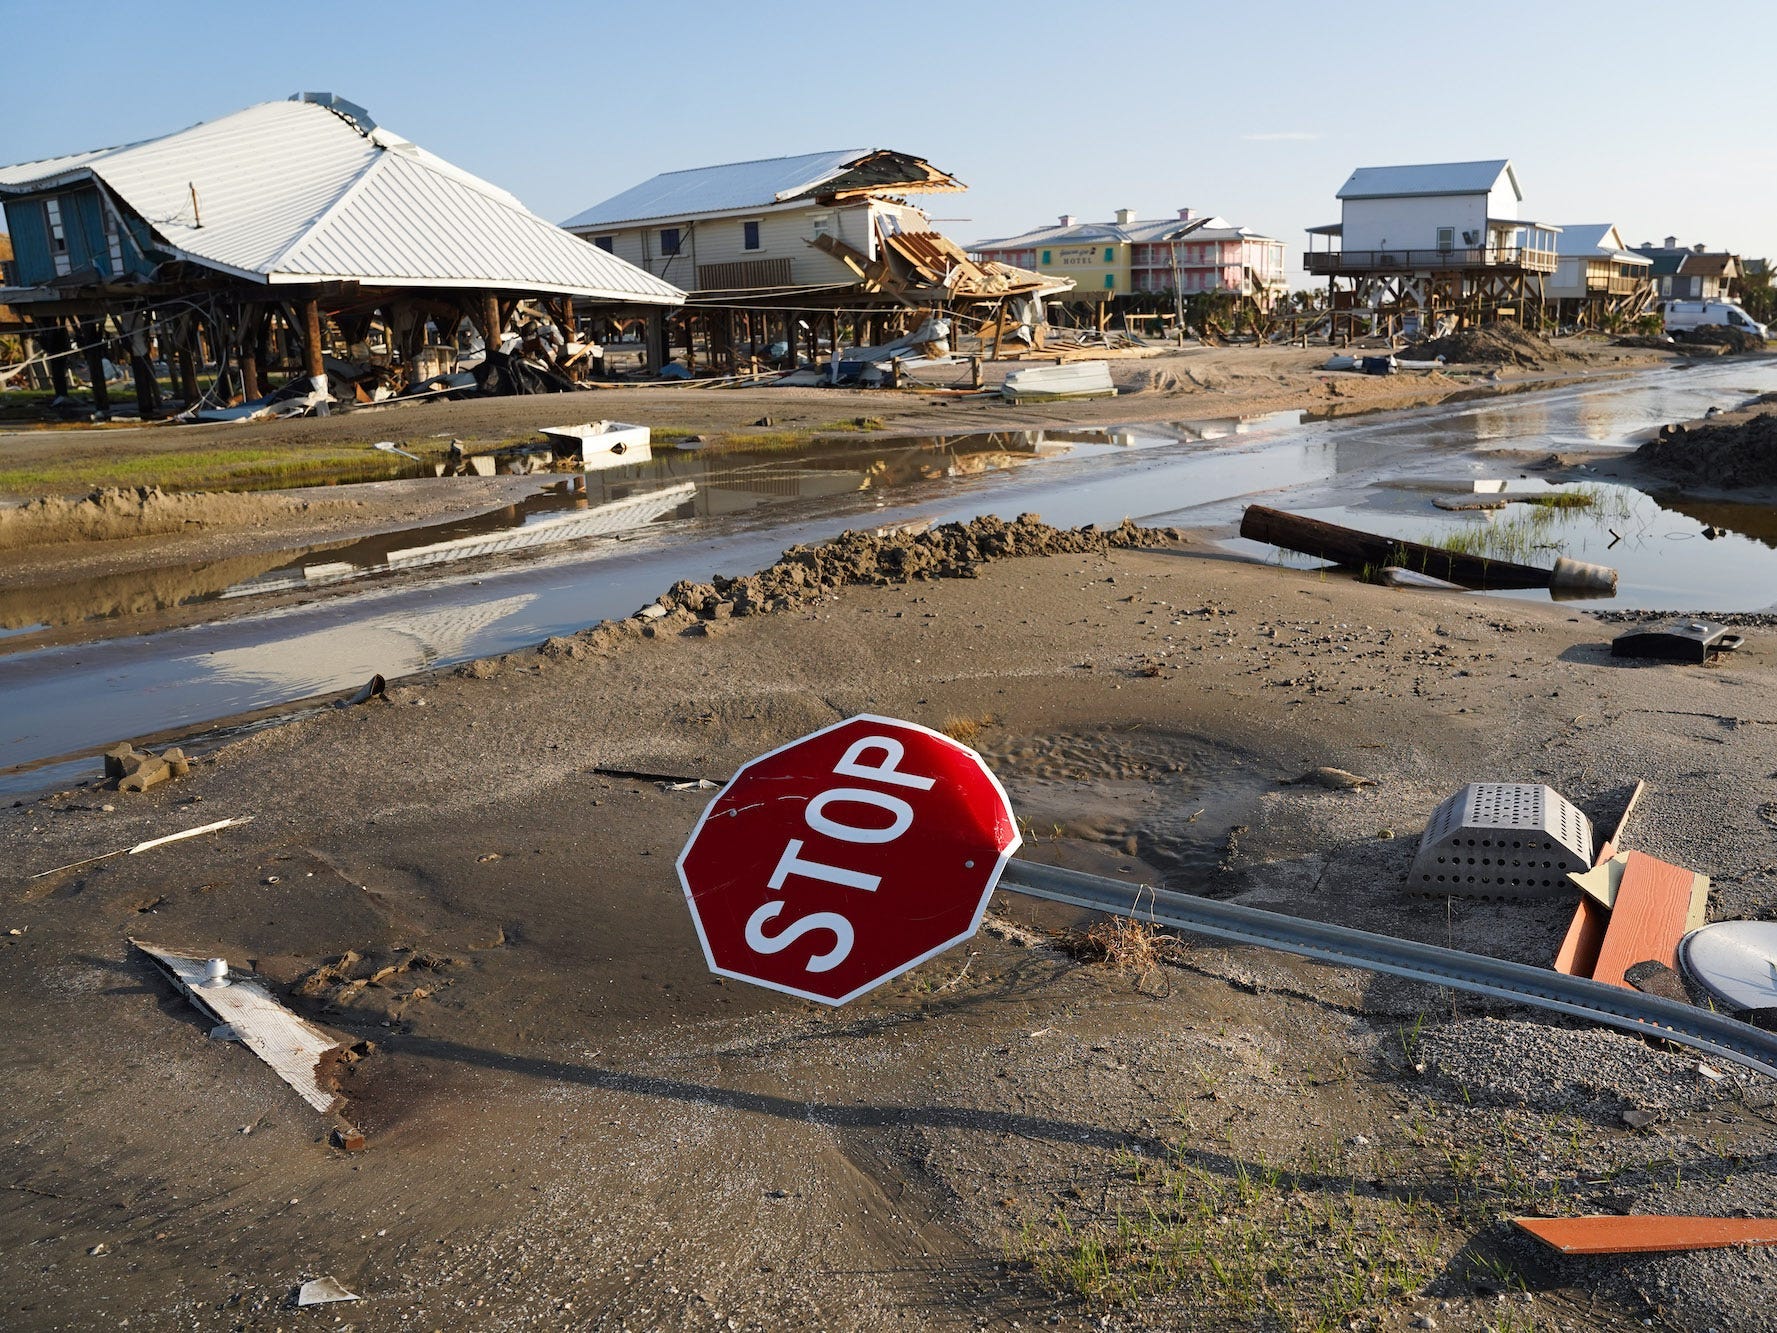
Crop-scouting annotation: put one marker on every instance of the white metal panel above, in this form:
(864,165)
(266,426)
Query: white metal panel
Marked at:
(717,189)
(1412,222)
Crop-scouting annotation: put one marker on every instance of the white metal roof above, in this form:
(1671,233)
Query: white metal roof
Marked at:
(1138,232)
(718,189)
(292,192)
(1595,238)
(1429,178)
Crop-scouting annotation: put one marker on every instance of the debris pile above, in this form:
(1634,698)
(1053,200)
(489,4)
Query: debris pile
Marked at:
(955,550)
(1490,345)
(1731,340)
(1742,454)
(138,770)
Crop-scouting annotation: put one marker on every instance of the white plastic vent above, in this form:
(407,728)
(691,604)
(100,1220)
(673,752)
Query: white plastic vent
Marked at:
(1502,840)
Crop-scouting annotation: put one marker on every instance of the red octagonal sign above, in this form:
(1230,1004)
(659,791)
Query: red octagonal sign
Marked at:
(828,866)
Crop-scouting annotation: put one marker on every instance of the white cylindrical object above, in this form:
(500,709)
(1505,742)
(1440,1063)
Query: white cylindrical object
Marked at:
(216,972)
(1580,576)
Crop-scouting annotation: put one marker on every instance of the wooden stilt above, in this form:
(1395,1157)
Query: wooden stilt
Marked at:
(314,356)
(56,344)
(95,369)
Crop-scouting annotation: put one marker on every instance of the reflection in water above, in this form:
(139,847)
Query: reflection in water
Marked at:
(385,645)
(1664,555)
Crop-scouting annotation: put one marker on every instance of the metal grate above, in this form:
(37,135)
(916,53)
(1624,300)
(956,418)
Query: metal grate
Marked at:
(1502,840)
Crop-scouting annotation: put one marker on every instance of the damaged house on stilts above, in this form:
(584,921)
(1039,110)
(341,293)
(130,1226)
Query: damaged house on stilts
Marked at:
(298,247)
(785,257)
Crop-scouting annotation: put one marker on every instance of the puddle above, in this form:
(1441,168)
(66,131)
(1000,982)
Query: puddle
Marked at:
(1687,557)
(697,513)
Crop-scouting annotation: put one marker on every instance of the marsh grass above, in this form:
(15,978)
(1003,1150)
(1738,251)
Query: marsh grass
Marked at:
(237,468)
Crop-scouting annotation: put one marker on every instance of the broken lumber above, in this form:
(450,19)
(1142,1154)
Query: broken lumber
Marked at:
(1605,1234)
(1654,905)
(1363,550)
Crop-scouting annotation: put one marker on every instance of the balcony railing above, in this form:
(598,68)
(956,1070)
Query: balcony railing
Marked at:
(1327,262)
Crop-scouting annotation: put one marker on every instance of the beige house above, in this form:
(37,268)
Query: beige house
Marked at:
(758,227)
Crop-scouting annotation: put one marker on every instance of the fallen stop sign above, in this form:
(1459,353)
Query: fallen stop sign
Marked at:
(828,866)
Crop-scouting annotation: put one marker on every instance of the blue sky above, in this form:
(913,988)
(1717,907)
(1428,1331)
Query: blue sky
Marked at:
(1632,112)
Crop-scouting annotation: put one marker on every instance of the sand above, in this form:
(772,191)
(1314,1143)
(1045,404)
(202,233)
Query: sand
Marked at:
(572,1125)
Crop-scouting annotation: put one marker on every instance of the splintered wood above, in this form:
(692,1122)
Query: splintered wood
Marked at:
(293,1047)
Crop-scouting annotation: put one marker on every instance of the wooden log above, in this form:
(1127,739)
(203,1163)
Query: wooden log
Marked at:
(1361,550)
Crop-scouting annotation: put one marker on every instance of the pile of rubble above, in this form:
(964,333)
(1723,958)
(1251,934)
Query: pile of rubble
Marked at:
(1490,345)
(955,550)
(1727,456)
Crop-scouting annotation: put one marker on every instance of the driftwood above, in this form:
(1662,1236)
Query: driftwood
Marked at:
(1363,550)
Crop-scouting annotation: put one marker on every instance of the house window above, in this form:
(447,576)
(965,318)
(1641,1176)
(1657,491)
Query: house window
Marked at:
(669,240)
(1046,258)
(58,238)
(114,241)
(1110,281)
(1108,256)
(1446,239)
(750,235)
(822,224)
(606,243)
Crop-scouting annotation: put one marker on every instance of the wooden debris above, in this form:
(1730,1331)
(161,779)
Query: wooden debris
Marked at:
(1363,550)
(1333,779)
(1655,905)
(1647,1234)
(295,1048)
(1578,954)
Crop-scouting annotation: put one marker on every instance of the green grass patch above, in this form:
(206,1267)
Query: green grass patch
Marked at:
(1532,525)
(851,424)
(235,468)
(1255,1246)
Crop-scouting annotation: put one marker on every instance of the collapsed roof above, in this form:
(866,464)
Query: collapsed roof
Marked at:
(311,190)
(846,173)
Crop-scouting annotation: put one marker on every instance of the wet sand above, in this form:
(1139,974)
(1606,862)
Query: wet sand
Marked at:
(571,1124)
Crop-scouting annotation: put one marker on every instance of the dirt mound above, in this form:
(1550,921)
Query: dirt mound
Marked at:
(1720,335)
(1743,454)
(954,551)
(144,511)
(1491,345)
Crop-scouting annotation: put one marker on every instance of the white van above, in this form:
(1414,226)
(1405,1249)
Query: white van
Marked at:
(1682,315)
